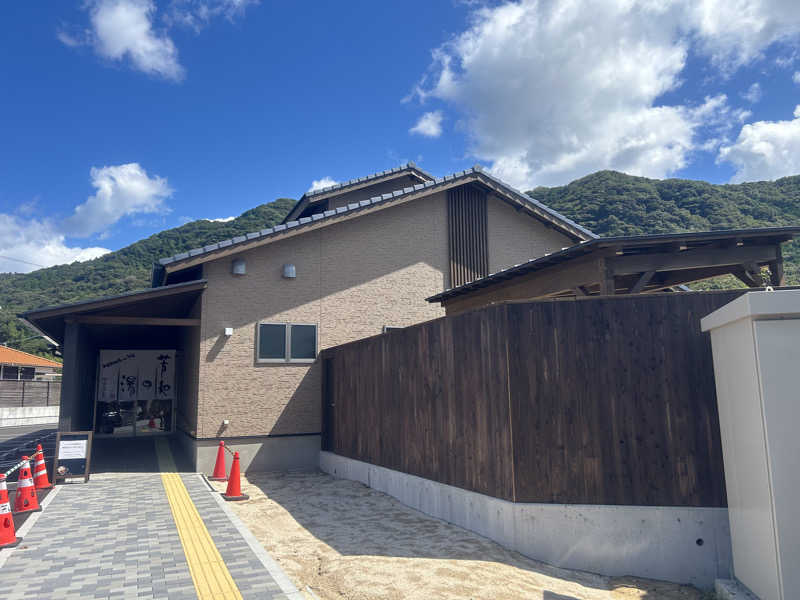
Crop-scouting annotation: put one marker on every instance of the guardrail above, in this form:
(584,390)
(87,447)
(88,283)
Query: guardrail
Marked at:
(22,393)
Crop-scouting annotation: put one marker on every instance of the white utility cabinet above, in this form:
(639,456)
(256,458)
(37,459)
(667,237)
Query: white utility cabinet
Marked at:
(756,346)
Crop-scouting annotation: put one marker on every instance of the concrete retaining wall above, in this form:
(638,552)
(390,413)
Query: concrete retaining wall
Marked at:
(29,415)
(679,544)
(258,453)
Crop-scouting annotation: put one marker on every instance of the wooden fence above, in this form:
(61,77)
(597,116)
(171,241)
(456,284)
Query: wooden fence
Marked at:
(14,393)
(606,400)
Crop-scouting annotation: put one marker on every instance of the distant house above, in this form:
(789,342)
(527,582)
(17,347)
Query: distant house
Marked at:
(225,344)
(18,365)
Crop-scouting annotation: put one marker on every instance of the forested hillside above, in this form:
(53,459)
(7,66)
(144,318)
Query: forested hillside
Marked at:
(124,270)
(607,202)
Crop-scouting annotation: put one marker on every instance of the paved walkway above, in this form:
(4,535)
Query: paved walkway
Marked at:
(140,536)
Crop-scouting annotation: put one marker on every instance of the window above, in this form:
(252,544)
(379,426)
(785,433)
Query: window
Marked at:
(10,372)
(286,342)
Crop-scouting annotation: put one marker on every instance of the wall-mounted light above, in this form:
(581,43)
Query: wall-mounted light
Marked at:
(238,266)
(228,331)
(289,271)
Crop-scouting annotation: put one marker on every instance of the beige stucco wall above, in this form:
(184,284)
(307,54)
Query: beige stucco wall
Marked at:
(514,239)
(353,278)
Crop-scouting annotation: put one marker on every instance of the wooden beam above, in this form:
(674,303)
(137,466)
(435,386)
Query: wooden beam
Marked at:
(688,259)
(754,270)
(643,280)
(150,321)
(581,291)
(745,275)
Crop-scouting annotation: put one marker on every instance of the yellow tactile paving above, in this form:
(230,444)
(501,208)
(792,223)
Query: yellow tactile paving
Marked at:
(211,577)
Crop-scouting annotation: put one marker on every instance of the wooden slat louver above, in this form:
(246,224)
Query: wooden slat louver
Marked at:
(467,233)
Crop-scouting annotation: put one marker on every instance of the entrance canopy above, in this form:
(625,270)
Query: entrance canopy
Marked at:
(631,265)
(164,319)
(164,306)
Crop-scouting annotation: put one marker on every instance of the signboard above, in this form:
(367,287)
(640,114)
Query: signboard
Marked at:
(73,455)
(129,375)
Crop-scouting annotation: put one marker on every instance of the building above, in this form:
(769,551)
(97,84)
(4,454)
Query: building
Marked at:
(629,265)
(18,365)
(225,343)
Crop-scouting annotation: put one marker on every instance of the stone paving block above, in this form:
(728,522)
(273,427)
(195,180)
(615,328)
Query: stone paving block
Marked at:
(115,537)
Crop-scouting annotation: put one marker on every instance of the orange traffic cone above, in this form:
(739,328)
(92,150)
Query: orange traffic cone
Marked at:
(219,468)
(25,500)
(8,537)
(234,491)
(40,480)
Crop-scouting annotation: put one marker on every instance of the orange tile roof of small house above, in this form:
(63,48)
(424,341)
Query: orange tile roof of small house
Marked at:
(10,356)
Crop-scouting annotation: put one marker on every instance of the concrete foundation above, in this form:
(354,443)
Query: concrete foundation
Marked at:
(267,453)
(679,544)
(29,415)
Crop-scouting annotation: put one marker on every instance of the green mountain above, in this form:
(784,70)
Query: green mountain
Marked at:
(607,202)
(122,271)
(611,203)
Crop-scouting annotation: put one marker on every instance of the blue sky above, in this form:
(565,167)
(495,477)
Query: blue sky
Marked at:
(121,118)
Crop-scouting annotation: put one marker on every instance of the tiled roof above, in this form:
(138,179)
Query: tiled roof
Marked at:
(587,246)
(10,356)
(410,166)
(475,172)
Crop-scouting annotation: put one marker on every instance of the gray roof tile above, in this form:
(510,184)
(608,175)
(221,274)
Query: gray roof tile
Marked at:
(478,171)
(406,167)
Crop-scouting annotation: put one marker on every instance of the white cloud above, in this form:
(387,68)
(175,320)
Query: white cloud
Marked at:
(222,219)
(429,125)
(124,29)
(197,14)
(796,77)
(319,184)
(25,245)
(736,32)
(765,150)
(550,90)
(122,190)
(753,93)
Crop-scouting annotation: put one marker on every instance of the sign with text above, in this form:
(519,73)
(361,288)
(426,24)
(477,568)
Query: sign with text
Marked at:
(129,375)
(73,455)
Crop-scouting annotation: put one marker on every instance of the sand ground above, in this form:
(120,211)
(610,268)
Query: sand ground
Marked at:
(346,541)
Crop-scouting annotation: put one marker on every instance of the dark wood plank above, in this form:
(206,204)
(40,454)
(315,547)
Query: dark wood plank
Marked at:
(598,400)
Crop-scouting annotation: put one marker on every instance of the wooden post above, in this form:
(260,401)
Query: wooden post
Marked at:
(22,399)
(776,275)
(608,286)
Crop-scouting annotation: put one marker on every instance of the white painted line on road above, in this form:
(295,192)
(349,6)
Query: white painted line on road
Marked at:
(274,569)
(28,525)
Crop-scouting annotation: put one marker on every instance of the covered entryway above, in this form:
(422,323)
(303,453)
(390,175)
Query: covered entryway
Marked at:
(130,369)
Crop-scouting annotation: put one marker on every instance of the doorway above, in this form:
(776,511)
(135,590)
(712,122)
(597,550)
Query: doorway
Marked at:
(135,394)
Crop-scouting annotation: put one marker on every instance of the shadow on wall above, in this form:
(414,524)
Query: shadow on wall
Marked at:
(298,410)
(355,520)
(217,348)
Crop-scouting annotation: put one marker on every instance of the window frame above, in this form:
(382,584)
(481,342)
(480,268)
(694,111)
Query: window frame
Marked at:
(288,344)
